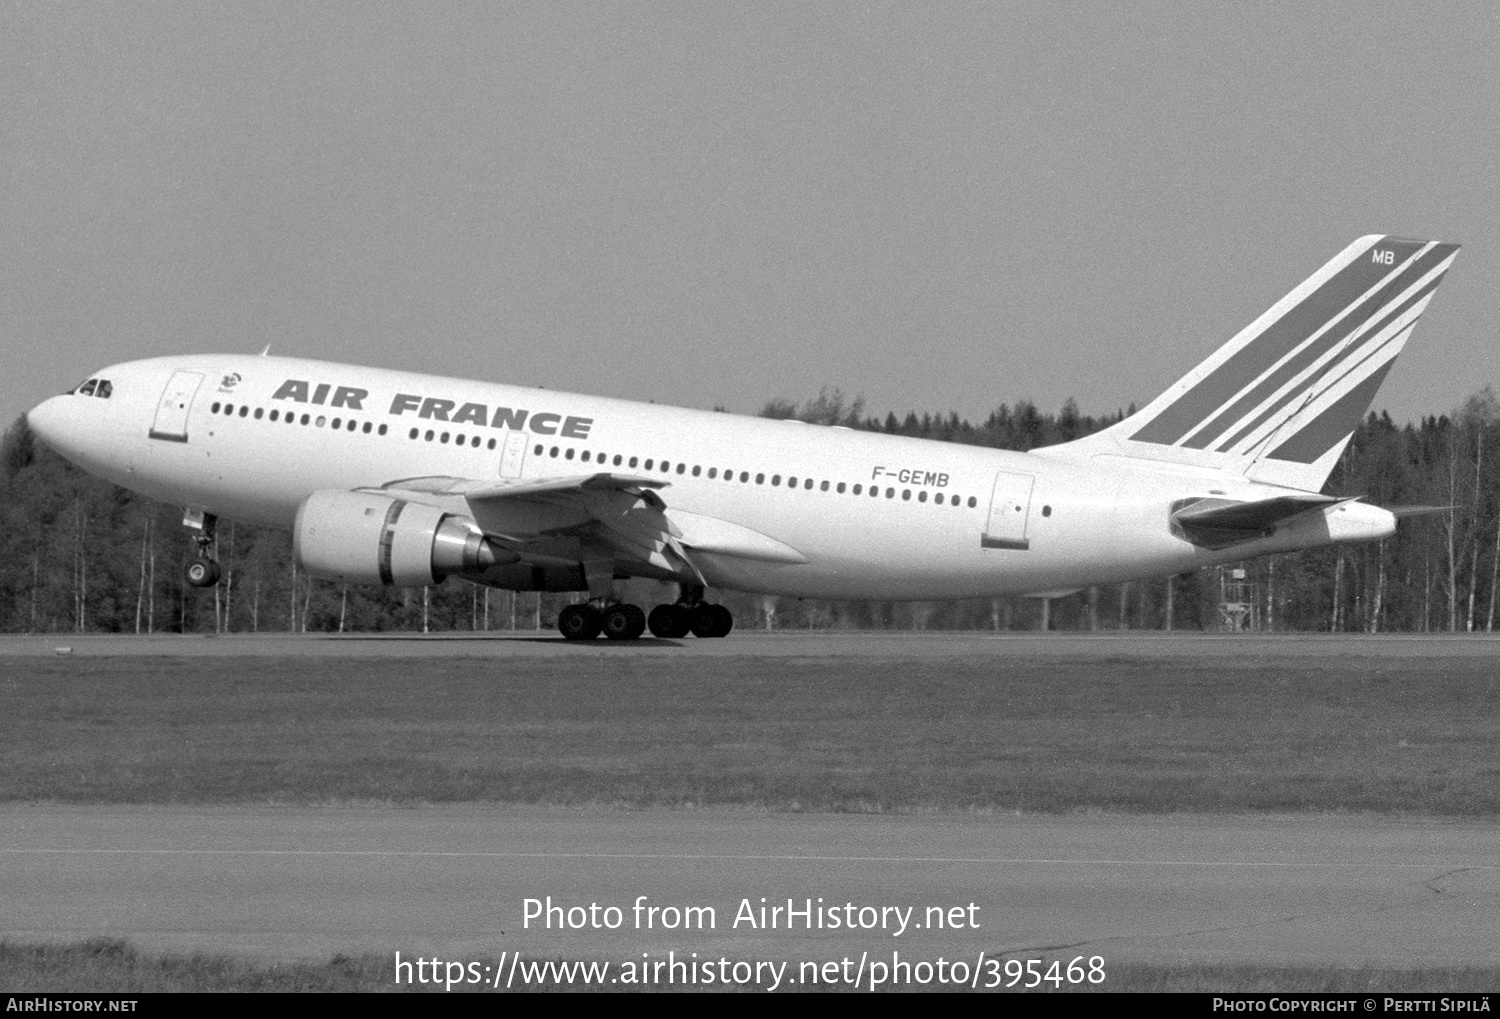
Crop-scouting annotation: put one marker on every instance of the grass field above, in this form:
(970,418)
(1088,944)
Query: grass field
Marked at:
(1185,733)
(108,965)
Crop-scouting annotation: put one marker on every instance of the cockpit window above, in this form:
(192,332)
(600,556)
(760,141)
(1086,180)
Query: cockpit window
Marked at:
(87,389)
(105,389)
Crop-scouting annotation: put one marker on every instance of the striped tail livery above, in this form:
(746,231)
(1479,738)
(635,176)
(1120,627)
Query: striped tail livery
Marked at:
(1278,402)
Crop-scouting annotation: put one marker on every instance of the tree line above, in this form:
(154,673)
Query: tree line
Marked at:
(84,556)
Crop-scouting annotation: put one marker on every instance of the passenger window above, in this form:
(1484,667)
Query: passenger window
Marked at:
(858,489)
(697,470)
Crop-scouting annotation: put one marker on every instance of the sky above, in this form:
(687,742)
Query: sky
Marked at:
(940,207)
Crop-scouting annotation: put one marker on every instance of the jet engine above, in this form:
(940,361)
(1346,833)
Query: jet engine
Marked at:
(369,538)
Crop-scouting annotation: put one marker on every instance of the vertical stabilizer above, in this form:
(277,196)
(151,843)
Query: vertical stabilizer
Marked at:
(1279,402)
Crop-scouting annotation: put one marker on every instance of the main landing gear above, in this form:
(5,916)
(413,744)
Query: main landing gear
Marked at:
(620,621)
(617,622)
(701,620)
(204,570)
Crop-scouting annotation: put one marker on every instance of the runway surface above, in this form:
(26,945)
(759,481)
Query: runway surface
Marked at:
(452,881)
(923,646)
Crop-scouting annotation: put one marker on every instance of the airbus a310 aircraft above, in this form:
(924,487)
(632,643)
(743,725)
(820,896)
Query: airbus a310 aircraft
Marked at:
(396,478)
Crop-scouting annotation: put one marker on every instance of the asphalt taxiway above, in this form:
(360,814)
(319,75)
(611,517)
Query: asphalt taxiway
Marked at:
(453,882)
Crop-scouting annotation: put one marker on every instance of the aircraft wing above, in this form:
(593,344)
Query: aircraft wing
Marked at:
(602,516)
(518,489)
(1219,522)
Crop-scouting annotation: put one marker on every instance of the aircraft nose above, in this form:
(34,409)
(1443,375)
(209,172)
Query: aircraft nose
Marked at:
(48,421)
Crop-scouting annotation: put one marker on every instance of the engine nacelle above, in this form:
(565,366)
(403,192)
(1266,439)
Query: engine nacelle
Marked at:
(368,538)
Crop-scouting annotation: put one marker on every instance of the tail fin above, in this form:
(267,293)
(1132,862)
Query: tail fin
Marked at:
(1279,402)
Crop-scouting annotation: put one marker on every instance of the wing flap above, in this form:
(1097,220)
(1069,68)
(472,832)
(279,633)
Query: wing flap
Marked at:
(517,489)
(712,535)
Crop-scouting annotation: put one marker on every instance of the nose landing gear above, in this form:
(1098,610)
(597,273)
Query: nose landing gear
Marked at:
(201,572)
(204,570)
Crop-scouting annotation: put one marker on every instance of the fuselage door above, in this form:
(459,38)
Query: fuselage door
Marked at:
(171,422)
(513,456)
(1010,503)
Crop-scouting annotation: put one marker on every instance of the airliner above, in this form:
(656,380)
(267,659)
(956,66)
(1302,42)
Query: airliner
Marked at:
(404,479)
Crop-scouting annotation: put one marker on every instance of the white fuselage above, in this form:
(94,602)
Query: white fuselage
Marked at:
(883,517)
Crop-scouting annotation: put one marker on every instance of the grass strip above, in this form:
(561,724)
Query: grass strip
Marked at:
(998,733)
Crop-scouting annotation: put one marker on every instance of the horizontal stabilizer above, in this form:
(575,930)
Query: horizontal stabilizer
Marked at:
(1219,522)
(1401,512)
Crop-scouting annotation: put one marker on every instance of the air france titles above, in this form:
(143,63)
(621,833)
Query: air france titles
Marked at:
(436,409)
